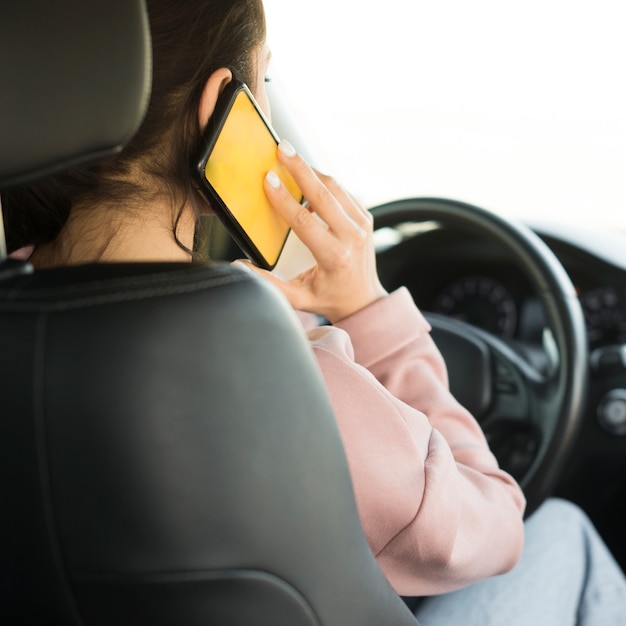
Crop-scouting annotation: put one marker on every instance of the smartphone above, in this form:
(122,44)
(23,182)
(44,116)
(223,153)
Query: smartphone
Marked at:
(238,150)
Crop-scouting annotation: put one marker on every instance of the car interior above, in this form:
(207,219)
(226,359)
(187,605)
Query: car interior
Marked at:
(165,462)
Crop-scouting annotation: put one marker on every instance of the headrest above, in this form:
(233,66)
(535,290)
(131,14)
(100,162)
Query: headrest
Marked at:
(74,82)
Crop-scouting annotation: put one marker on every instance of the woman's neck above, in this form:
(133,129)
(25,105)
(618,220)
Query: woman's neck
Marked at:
(104,235)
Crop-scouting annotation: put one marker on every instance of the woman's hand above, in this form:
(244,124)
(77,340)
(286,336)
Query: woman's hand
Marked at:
(344,279)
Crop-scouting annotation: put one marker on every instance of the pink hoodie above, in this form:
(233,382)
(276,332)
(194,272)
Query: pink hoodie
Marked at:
(437,511)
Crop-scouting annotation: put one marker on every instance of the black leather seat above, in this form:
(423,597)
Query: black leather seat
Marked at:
(168,454)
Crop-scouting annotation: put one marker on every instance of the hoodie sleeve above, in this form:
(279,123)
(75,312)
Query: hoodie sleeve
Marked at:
(436,509)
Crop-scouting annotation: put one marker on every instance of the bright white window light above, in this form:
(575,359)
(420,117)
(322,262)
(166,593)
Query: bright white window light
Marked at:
(518,107)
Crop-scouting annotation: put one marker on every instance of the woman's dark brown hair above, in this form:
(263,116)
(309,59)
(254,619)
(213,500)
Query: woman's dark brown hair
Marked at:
(190,40)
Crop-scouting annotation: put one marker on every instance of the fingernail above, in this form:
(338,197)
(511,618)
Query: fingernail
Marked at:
(272,180)
(286,148)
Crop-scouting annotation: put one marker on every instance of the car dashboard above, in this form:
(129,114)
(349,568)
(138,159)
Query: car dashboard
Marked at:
(455,273)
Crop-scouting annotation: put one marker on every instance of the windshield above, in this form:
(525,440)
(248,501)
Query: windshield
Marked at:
(517,107)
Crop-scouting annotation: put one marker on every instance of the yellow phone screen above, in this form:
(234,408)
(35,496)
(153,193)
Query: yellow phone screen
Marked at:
(244,151)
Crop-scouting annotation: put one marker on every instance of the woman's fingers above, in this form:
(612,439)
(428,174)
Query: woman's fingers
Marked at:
(352,207)
(300,218)
(295,290)
(349,226)
(320,196)
(345,277)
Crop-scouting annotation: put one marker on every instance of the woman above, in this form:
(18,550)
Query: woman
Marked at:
(438,512)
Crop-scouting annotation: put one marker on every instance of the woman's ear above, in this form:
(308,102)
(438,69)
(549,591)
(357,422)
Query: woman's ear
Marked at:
(212,89)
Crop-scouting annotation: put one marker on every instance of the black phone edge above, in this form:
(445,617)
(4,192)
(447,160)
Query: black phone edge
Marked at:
(211,134)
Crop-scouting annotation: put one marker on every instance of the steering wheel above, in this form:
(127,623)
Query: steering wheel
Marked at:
(529,413)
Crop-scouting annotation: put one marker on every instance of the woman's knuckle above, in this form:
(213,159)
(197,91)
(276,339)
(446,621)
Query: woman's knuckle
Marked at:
(302,217)
(341,255)
(358,237)
(323,195)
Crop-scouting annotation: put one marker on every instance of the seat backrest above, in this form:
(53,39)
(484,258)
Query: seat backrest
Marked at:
(168,453)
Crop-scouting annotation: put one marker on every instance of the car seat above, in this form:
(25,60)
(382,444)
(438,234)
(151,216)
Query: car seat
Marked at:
(168,453)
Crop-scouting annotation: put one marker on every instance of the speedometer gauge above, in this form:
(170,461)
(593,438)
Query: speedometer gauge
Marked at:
(482,301)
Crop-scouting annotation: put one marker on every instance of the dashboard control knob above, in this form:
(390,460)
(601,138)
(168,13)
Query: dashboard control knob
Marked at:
(608,357)
(612,412)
